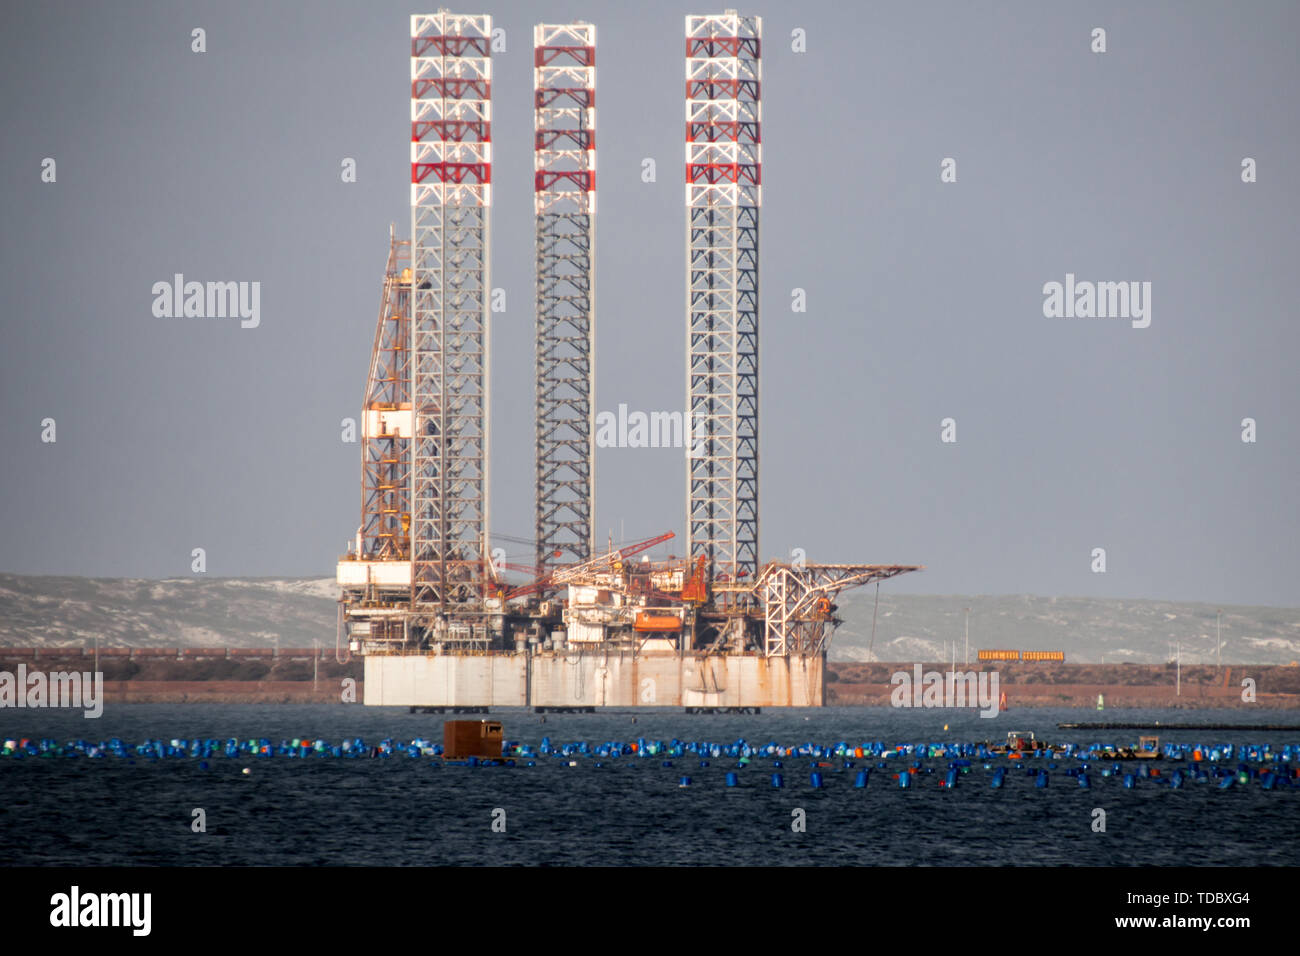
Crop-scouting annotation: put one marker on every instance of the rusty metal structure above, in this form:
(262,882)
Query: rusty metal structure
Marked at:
(380,569)
(439,621)
(386,419)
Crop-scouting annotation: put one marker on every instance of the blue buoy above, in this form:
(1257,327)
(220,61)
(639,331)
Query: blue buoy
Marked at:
(816,780)
(1226,782)
(1129,781)
(998,776)
(684,782)
(1084,782)
(1041,780)
(732,780)
(950,781)
(904,780)
(861,781)
(778,781)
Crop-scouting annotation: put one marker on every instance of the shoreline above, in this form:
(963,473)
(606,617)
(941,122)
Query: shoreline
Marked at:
(1019,696)
(252,677)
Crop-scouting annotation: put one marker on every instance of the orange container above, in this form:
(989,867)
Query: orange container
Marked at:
(657,622)
(471,738)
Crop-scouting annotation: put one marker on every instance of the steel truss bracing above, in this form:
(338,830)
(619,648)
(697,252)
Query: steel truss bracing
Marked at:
(564,131)
(723,196)
(451,175)
(799,601)
(386,420)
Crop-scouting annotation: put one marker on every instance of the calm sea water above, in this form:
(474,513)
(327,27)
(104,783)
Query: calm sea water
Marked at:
(404,811)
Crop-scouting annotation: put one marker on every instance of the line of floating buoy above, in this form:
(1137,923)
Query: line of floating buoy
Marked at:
(823,755)
(1229,766)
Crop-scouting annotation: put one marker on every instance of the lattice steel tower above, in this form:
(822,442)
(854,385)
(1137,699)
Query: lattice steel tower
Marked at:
(451,175)
(564,132)
(386,423)
(723,191)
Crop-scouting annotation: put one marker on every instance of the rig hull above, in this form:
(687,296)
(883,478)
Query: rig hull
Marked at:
(573,679)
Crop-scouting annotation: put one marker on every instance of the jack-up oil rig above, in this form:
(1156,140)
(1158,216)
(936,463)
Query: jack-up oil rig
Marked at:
(425,598)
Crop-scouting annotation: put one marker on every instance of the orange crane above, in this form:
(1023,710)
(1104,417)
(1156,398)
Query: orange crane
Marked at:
(614,558)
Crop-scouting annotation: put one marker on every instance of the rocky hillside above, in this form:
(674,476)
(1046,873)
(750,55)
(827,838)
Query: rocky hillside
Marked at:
(181,612)
(1089,630)
(294,612)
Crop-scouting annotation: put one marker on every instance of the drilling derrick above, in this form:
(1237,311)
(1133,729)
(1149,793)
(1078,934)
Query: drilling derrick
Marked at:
(376,573)
(564,157)
(723,193)
(432,613)
(386,422)
(451,175)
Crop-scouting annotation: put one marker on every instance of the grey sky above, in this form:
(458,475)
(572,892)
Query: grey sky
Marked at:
(924,299)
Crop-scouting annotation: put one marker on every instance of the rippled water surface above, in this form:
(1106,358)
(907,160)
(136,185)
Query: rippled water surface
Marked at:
(405,811)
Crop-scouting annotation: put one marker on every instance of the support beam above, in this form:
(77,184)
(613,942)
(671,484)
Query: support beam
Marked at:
(564,132)
(451,175)
(723,197)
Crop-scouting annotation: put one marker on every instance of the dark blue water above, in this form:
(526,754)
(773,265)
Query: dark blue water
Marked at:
(409,811)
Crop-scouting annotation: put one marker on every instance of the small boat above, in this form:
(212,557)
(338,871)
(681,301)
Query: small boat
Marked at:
(1018,742)
(1148,748)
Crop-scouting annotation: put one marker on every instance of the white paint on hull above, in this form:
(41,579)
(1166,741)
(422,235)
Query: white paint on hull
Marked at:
(594,680)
